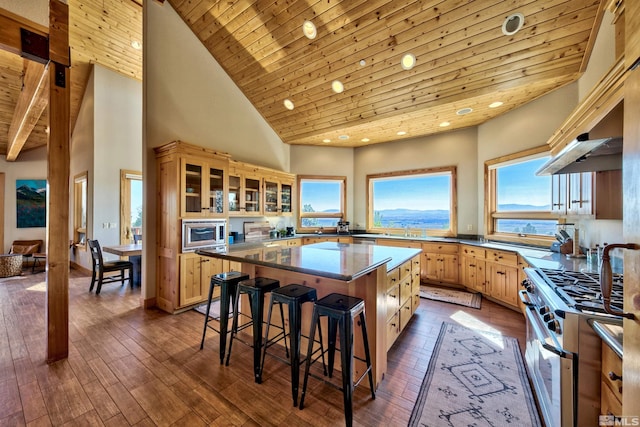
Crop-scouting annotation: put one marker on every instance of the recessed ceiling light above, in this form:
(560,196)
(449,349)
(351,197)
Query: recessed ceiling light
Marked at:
(326,141)
(309,30)
(444,124)
(288,104)
(512,24)
(136,45)
(343,137)
(401,132)
(363,62)
(495,104)
(463,111)
(408,61)
(365,140)
(337,86)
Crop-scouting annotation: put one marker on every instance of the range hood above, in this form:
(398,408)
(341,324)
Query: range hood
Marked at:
(598,150)
(586,155)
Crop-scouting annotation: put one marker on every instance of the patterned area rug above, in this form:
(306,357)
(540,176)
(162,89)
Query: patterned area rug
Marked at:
(452,296)
(474,378)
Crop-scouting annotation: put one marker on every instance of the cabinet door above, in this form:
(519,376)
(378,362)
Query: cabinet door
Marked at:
(473,273)
(251,187)
(194,187)
(215,200)
(235,194)
(271,197)
(431,266)
(449,268)
(286,197)
(195,277)
(503,283)
(579,199)
(559,193)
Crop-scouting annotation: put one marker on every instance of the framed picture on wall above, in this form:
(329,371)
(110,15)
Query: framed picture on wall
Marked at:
(31,203)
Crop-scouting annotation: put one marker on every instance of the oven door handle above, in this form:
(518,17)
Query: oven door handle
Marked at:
(524,297)
(542,337)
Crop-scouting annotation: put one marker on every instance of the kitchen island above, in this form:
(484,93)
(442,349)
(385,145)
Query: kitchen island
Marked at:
(371,272)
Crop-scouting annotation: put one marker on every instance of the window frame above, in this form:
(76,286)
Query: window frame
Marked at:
(453,202)
(338,215)
(491,215)
(80,209)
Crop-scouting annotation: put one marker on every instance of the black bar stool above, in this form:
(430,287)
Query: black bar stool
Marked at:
(293,296)
(256,289)
(228,283)
(340,311)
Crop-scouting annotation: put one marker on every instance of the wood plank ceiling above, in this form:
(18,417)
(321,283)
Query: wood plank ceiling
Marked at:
(463,60)
(101,32)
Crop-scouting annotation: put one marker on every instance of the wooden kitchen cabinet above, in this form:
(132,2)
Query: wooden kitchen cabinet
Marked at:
(403,284)
(440,262)
(611,382)
(245,190)
(559,185)
(278,194)
(501,277)
(188,177)
(472,267)
(608,194)
(580,193)
(202,187)
(311,240)
(195,277)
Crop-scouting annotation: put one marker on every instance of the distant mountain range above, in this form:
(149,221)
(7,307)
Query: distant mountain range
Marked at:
(516,207)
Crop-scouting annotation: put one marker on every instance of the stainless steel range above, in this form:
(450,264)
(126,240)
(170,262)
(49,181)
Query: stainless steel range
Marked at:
(563,352)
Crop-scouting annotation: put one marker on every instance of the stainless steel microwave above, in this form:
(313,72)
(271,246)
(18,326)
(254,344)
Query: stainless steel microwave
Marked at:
(203,233)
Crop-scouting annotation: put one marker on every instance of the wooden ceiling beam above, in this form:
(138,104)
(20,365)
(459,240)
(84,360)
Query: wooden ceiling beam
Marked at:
(33,99)
(10,26)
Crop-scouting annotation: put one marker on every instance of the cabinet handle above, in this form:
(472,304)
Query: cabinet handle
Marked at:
(614,377)
(576,201)
(393,324)
(205,260)
(392,296)
(472,265)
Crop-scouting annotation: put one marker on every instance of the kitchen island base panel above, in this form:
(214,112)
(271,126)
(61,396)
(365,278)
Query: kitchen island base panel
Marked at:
(370,287)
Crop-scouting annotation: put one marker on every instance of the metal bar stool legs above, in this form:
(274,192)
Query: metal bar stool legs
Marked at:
(341,311)
(228,283)
(293,296)
(256,288)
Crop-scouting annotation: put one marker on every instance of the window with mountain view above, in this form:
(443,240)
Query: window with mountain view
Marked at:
(322,202)
(519,206)
(420,202)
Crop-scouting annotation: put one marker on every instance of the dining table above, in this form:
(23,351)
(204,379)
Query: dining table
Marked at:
(134,252)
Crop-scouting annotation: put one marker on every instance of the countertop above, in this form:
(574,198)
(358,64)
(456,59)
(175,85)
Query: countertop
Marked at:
(537,257)
(341,261)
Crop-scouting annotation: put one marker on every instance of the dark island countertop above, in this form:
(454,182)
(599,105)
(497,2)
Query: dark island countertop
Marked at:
(341,261)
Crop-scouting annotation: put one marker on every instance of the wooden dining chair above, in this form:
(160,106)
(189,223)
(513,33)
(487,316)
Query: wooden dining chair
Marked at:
(100,267)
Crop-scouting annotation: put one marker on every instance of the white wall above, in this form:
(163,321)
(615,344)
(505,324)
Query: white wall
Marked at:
(456,148)
(329,161)
(602,56)
(117,145)
(188,96)
(31,164)
(34,10)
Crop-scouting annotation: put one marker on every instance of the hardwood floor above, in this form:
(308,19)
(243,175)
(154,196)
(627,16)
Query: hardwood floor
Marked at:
(129,366)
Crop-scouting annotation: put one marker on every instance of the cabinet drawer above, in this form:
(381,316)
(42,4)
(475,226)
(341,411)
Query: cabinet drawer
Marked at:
(393,278)
(405,290)
(473,251)
(415,264)
(505,258)
(405,270)
(393,330)
(415,302)
(393,301)
(609,403)
(405,314)
(440,248)
(611,366)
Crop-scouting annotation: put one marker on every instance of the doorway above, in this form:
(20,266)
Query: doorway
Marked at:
(130,207)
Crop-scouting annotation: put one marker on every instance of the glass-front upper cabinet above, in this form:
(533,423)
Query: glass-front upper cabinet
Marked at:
(277,196)
(203,185)
(245,191)
(252,194)
(286,195)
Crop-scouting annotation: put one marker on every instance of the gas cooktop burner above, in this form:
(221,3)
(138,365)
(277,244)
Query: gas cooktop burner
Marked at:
(582,290)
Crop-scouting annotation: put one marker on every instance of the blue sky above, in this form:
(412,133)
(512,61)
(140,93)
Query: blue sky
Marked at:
(321,195)
(518,184)
(416,192)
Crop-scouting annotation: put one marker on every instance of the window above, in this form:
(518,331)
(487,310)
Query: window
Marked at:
(80,209)
(518,201)
(416,203)
(322,202)
(130,206)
